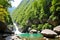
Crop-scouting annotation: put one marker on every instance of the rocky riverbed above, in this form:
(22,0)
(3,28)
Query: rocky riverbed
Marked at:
(15,37)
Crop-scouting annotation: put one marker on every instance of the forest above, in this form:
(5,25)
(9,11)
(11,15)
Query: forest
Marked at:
(4,13)
(31,20)
(38,14)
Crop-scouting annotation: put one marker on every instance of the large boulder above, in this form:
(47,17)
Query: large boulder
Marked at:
(57,29)
(48,33)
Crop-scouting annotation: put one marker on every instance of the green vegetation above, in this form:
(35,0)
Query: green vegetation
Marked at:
(38,14)
(4,14)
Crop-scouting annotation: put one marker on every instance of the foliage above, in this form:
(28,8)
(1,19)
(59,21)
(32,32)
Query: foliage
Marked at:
(5,3)
(38,13)
(4,14)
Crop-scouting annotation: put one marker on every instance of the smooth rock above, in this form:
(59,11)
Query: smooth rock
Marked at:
(14,37)
(48,33)
(33,31)
(57,29)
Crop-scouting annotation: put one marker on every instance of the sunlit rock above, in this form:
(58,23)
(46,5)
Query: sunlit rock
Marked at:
(48,33)
(57,29)
(33,31)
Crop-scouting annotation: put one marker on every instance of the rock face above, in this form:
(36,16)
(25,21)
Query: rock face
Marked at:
(57,29)
(48,33)
(4,28)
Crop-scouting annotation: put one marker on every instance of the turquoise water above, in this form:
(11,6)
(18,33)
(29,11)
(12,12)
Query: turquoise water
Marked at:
(34,36)
(28,35)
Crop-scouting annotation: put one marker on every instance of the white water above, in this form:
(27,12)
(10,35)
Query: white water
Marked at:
(15,30)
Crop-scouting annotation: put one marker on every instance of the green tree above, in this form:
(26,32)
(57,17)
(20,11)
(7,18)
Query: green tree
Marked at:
(4,14)
(40,14)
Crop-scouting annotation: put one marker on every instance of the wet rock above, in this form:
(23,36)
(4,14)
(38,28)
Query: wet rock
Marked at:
(48,33)
(13,37)
(57,29)
(58,36)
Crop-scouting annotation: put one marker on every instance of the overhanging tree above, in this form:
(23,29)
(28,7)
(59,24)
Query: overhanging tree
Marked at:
(4,14)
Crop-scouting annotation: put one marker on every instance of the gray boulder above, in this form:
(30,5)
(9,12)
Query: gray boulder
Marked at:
(48,33)
(33,31)
(57,29)
(13,37)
